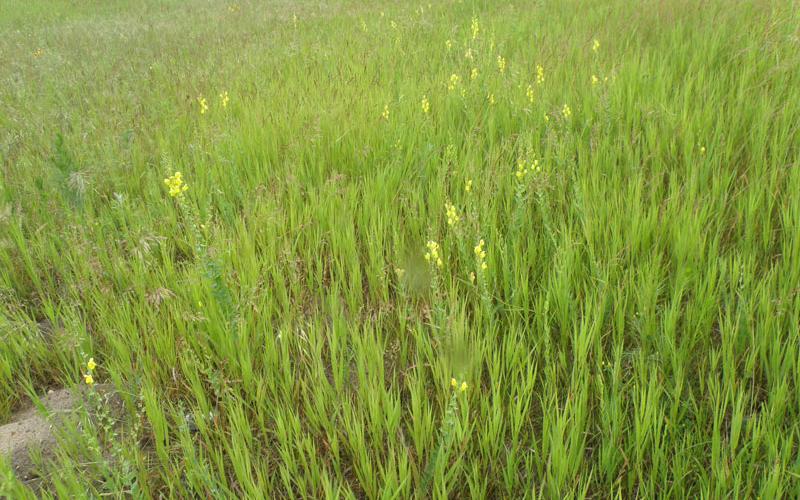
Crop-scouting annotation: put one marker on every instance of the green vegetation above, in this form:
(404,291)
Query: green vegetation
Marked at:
(633,169)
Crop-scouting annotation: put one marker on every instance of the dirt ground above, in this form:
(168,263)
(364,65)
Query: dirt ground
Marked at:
(31,429)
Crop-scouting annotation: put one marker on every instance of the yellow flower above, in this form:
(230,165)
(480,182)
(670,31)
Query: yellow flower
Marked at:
(223,97)
(490,98)
(468,186)
(595,80)
(463,386)
(472,277)
(702,150)
(475,28)
(566,111)
(38,52)
(88,379)
(452,214)
(473,74)
(539,74)
(453,383)
(91,365)
(595,46)
(426,105)
(480,255)
(448,44)
(529,93)
(454,81)
(201,101)
(176,185)
(479,247)
(501,64)
(432,255)
(468,54)
(385,114)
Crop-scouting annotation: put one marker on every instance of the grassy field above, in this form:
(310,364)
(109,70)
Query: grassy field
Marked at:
(457,249)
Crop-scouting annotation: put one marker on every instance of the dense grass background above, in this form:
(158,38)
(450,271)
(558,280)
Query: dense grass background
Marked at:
(278,333)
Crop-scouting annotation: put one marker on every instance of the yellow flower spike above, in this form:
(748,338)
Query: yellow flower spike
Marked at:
(385,114)
(176,185)
(490,98)
(566,111)
(451,213)
(595,46)
(464,386)
(501,64)
(201,101)
(539,74)
(529,93)
(223,97)
(475,28)
(453,383)
(454,81)
(595,80)
(426,104)
(483,266)
(473,74)
(468,186)
(91,365)
(88,379)
(439,263)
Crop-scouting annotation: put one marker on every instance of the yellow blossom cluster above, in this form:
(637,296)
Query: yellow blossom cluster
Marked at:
(452,214)
(480,255)
(201,101)
(88,377)
(176,185)
(524,169)
(455,80)
(432,255)
(456,386)
(501,64)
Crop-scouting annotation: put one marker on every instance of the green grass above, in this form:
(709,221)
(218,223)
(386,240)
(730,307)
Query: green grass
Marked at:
(635,333)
